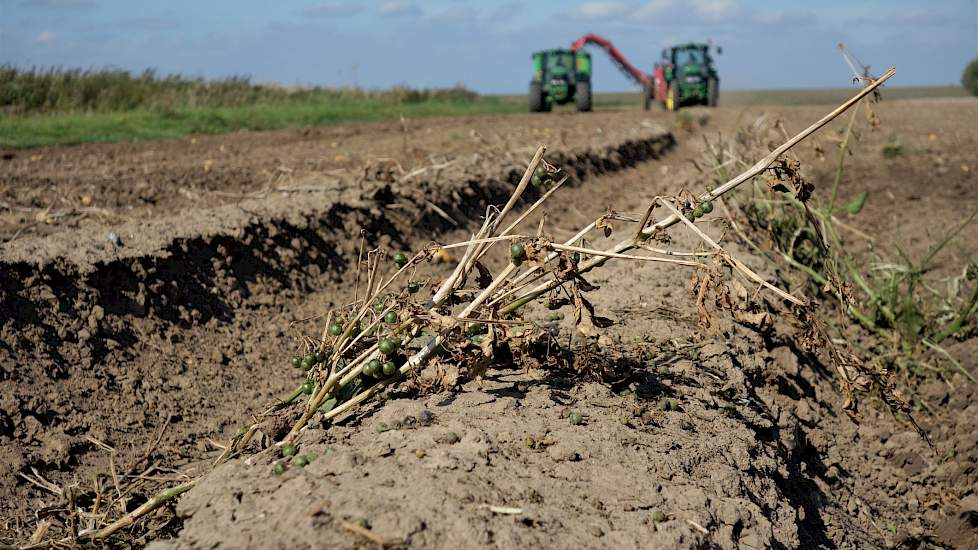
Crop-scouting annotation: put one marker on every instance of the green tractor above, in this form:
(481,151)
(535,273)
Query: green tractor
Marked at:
(685,76)
(560,77)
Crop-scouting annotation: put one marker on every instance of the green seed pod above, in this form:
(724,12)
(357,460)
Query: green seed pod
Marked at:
(707,207)
(388,346)
(697,213)
(517,251)
(278,469)
(336,329)
(289,450)
(308,388)
(295,361)
(389,368)
(300,461)
(400,259)
(390,317)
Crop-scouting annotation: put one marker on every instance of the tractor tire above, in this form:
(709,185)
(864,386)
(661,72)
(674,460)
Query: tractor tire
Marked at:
(712,92)
(538,102)
(647,96)
(582,94)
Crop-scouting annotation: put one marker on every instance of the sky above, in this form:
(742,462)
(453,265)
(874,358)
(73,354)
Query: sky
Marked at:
(486,45)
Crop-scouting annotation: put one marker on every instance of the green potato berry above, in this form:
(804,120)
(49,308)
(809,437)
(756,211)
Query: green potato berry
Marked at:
(289,450)
(697,213)
(414,287)
(400,259)
(306,364)
(517,251)
(576,418)
(378,307)
(295,361)
(389,368)
(388,346)
(300,461)
(541,171)
(372,367)
(658,516)
(536,180)
(310,357)
(707,207)
(336,329)
(278,469)
(390,317)
(308,388)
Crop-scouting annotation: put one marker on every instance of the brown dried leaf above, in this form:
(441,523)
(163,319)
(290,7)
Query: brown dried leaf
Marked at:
(760,321)
(587,323)
(485,276)
(605,223)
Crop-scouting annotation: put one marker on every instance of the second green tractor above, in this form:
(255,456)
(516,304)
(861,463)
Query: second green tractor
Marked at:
(560,77)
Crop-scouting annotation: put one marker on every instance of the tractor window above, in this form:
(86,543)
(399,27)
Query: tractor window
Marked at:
(560,61)
(690,56)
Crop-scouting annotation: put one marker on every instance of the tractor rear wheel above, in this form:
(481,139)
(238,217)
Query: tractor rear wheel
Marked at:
(712,92)
(582,93)
(538,103)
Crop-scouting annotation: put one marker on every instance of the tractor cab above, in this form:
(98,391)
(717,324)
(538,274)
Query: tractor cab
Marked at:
(559,77)
(686,75)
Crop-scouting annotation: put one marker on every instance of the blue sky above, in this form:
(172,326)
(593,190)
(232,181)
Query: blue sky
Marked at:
(487,45)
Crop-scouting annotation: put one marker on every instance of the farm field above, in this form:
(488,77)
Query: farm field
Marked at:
(150,292)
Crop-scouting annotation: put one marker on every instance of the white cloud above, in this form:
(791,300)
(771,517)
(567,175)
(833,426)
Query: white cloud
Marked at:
(601,10)
(686,10)
(45,37)
(653,8)
(399,9)
(333,9)
(715,9)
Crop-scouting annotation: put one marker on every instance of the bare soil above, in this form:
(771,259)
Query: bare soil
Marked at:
(137,354)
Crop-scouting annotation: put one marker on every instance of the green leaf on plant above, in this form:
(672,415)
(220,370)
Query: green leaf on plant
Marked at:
(856,205)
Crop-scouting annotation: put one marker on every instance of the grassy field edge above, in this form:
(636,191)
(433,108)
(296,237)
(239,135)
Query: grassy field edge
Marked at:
(150,124)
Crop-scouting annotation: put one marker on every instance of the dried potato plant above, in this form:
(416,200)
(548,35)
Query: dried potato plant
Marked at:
(401,324)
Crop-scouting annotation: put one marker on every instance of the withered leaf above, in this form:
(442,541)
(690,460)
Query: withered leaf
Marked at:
(760,320)
(605,224)
(587,323)
(485,276)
